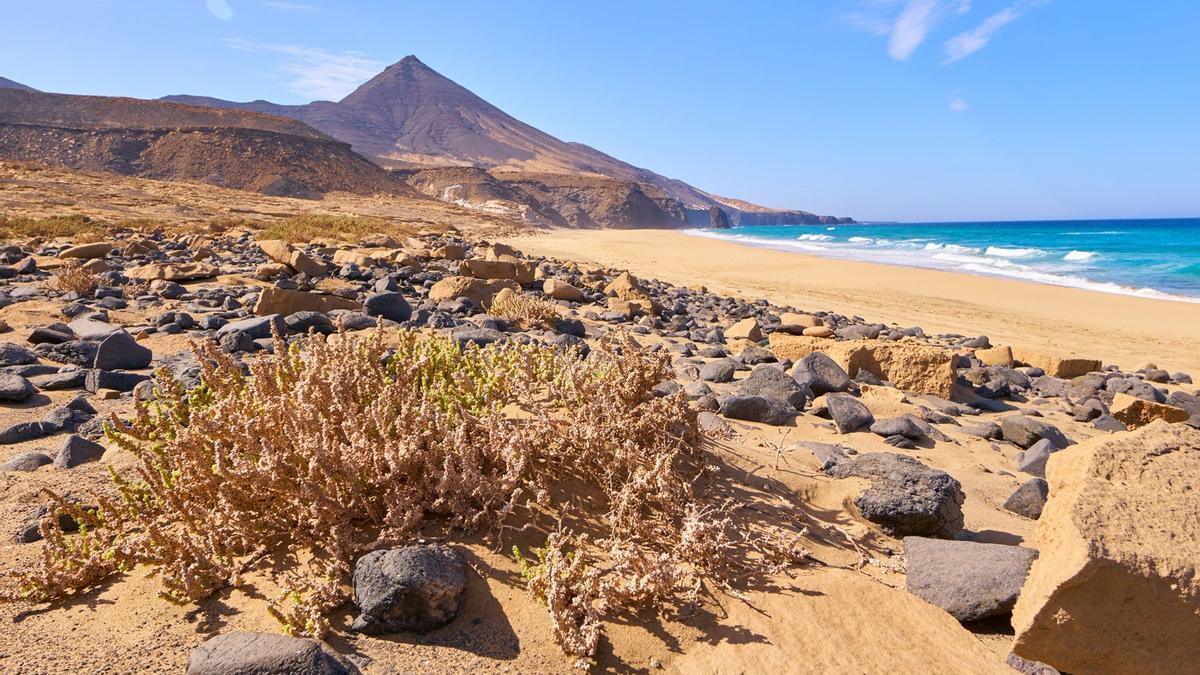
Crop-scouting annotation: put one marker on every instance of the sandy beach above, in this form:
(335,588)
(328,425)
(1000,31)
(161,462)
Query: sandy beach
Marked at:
(1125,330)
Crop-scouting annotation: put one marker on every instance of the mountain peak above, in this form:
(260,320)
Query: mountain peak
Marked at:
(6,83)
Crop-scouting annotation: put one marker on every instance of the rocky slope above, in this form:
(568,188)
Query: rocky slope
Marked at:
(411,116)
(169,141)
(6,83)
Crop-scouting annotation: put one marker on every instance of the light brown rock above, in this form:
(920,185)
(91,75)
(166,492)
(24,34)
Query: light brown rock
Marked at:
(98,249)
(487,269)
(449,252)
(283,252)
(1116,588)
(282,301)
(561,290)
(791,322)
(995,356)
(1057,365)
(818,332)
(479,291)
(174,271)
(96,266)
(1136,413)
(909,366)
(271,270)
(746,329)
(345,256)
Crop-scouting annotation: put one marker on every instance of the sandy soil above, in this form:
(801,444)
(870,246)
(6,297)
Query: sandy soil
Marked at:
(1125,330)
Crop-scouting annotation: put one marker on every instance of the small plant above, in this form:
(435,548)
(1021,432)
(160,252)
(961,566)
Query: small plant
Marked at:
(74,277)
(74,226)
(525,309)
(349,228)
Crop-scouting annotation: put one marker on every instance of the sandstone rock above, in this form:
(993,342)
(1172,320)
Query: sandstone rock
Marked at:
(626,287)
(174,271)
(561,290)
(242,653)
(795,324)
(479,291)
(345,256)
(906,497)
(449,252)
(970,580)
(272,300)
(911,367)
(283,253)
(414,588)
(1056,365)
(1136,413)
(1117,589)
(271,270)
(746,329)
(818,332)
(995,356)
(488,269)
(86,251)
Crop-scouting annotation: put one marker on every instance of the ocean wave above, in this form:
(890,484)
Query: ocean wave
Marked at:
(815,237)
(860,240)
(1003,252)
(1077,256)
(1086,232)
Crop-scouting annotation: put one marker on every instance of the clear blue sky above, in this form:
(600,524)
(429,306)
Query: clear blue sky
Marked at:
(877,109)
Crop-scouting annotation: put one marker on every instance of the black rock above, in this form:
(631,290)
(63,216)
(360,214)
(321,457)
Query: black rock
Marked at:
(120,351)
(414,588)
(1108,423)
(906,497)
(47,335)
(1033,460)
(14,388)
(77,450)
(243,653)
(256,327)
(468,334)
(1029,499)
(389,305)
(848,413)
(821,374)
(771,381)
(75,352)
(15,355)
(570,326)
(21,432)
(897,426)
(26,461)
(110,379)
(1024,431)
(765,409)
(720,370)
(302,322)
(970,580)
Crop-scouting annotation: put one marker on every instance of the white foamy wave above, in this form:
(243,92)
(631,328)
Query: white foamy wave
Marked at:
(951,248)
(860,240)
(1003,252)
(1079,255)
(1104,232)
(815,237)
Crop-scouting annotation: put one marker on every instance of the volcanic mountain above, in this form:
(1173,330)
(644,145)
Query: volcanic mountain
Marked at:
(6,83)
(172,141)
(411,117)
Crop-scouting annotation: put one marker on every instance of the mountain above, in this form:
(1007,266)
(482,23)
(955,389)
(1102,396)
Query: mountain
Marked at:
(172,141)
(6,83)
(410,117)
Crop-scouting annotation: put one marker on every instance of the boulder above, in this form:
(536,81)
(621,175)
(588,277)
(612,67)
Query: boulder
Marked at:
(174,271)
(995,356)
(14,388)
(719,370)
(345,256)
(449,252)
(243,653)
(905,497)
(898,426)
(767,380)
(414,588)
(909,366)
(848,413)
(1029,499)
(284,254)
(119,351)
(1033,460)
(1136,413)
(561,290)
(970,580)
(1024,431)
(1116,588)
(16,355)
(26,461)
(78,450)
(479,291)
(87,251)
(389,305)
(793,323)
(1057,365)
(272,300)
(765,409)
(488,269)
(821,374)
(255,327)
(746,329)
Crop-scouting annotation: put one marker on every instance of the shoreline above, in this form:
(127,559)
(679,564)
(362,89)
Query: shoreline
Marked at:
(1122,329)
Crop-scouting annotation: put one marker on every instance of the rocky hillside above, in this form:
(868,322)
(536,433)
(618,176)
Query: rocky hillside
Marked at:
(6,83)
(411,116)
(170,141)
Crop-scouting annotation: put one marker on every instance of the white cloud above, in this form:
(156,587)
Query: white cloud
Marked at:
(967,43)
(911,28)
(959,104)
(315,72)
(294,7)
(219,9)
(905,23)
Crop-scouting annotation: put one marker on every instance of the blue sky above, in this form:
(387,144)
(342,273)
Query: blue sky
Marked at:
(877,109)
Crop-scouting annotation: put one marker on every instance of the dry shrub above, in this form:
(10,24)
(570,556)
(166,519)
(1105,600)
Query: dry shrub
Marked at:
(73,276)
(305,228)
(525,309)
(75,226)
(323,453)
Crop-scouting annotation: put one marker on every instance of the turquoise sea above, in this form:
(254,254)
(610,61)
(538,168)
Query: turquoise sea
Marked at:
(1152,258)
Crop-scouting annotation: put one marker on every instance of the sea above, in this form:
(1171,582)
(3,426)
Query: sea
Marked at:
(1148,258)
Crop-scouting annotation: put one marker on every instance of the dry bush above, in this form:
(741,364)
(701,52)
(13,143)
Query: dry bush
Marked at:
(73,276)
(305,228)
(328,450)
(525,309)
(75,226)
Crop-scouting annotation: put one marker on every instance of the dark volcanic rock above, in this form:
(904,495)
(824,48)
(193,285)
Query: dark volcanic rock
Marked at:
(767,380)
(970,580)
(415,588)
(77,450)
(1025,431)
(389,305)
(119,351)
(848,413)
(1029,499)
(821,374)
(15,355)
(720,370)
(243,653)
(14,388)
(765,409)
(26,461)
(906,497)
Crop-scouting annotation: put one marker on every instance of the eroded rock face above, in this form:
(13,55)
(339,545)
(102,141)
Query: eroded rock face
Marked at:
(909,366)
(1136,413)
(1116,589)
